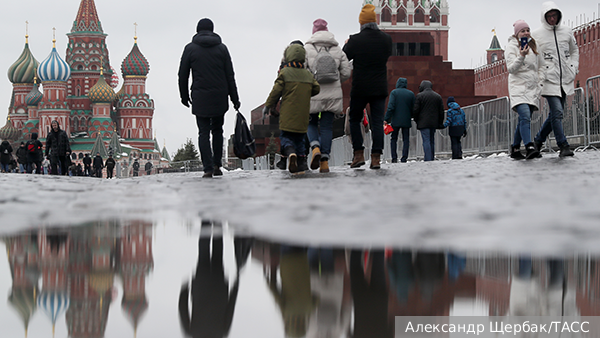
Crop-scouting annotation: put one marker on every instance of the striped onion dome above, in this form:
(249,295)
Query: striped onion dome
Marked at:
(101,92)
(34,97)
(53,303)
(23,70)
(9,132)
(114,80)
(135,63)
(54,68)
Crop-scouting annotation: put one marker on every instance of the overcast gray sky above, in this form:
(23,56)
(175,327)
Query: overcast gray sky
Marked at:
(255,33)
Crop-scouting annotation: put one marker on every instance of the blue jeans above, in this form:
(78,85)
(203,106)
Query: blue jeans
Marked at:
(294,140)
(428,135)
(357,105)
(554,121)
(4,167)
(523,130)
(320,132)
(211,156)
(405,143)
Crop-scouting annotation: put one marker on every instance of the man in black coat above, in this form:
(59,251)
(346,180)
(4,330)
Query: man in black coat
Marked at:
(110,166)
(429,116)
(136,168)
(369,51)
(22,157)
(87,165)
(34,154)
(213,82)
(59,149)
(98,165)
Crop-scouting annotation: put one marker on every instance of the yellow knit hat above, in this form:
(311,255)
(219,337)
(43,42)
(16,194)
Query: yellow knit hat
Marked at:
(367,14)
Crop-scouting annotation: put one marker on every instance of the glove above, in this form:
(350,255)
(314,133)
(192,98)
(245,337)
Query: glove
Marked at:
(266,111)
(186,101)
(465,134)
(237,105)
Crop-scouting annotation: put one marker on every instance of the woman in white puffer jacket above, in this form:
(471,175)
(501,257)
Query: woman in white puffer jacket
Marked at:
(329,101)
(525,77)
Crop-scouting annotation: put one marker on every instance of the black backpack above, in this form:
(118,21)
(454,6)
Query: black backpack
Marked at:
(243,141)
(31,147)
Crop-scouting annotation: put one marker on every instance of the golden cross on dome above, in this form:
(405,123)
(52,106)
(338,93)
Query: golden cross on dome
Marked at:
(135,37)
(53,37)
(26,31)
(101,64)
(494,30)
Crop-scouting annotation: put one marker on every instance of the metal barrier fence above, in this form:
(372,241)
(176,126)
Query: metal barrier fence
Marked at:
(592,101)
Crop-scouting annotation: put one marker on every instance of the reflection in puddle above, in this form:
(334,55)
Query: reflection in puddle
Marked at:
(200,280)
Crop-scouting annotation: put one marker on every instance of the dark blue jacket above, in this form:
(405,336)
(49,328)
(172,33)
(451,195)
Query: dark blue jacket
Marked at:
(400,106)
(456,120)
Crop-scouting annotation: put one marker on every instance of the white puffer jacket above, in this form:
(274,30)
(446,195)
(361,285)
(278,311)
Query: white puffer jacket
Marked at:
(525,75)
(330,98)
(560,51)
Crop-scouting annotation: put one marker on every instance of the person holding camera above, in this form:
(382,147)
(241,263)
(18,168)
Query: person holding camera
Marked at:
(525,76)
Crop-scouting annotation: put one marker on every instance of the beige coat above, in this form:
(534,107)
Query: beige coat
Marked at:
(331,97)
(525,75)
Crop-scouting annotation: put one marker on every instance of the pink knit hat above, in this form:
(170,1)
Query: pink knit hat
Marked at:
(520,25)
(319,25)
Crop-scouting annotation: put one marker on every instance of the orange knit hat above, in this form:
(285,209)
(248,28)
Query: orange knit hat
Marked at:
(367,14)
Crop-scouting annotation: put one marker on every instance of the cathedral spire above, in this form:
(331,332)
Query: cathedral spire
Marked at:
(87,18)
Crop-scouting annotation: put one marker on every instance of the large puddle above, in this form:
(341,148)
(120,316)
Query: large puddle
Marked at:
(200,279)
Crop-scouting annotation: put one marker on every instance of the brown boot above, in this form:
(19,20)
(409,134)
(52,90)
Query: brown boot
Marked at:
(358,159)
(375,159)
(316,158)
(324,168)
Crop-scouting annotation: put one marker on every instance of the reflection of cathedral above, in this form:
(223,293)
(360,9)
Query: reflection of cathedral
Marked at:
(77,269)
(78,92)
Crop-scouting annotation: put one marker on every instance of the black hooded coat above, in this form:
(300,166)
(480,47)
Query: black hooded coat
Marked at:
(429,108)
(213,77)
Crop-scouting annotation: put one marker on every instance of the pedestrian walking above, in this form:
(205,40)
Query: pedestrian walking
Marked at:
(98,164)
(87,165)
(330,66)
(136,168)
(295,86)
(34,154)
(561,55)
(22,157)
(46,165)
(399,115)
(110,166)
(148,168)
(213,82)
(369,51)
(525,74)
(59,149)
(429,116)
(5,156)
(456,122)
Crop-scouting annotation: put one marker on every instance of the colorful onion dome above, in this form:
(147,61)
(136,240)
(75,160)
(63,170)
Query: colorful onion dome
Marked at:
(53,303)
(135,63)
(34,97)
(9,132)
(23,70)
(101,91)
(114,79)
(54,68)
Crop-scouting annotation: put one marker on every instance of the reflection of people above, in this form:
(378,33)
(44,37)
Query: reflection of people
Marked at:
(370,296)
(558,45)
(401,274)
(294,298)
(213,303)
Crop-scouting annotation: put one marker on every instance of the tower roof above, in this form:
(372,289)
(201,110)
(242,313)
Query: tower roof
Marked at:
(101,91)
(135,63)
(23,70)
(87,19)
(495,45)
(54,68)
(99,147)
(114,145)
(9,132)
(34,97)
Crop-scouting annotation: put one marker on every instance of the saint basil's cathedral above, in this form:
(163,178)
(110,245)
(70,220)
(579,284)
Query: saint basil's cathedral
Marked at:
(79,93)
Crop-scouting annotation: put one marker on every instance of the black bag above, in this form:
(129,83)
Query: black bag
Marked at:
(243,142)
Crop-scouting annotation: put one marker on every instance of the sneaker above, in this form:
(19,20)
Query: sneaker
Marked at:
(302,165)
(282,164)
(324,167)
(565,151)
(532,151)
(217,172)
(293,166)
(515,153)
(207,174)
(316,158)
